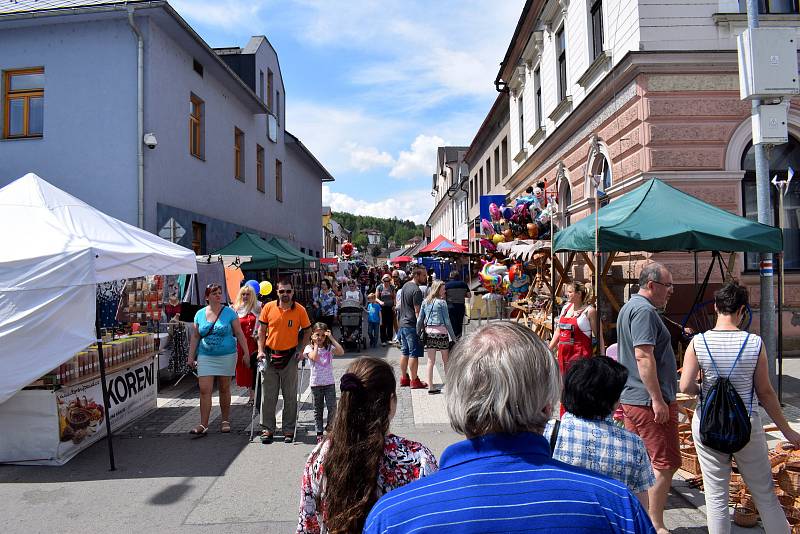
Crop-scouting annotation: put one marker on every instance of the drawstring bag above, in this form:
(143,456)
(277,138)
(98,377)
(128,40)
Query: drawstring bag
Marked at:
(724,421)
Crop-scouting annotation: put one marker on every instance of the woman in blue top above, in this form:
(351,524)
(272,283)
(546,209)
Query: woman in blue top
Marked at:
(213,349)
(434,321)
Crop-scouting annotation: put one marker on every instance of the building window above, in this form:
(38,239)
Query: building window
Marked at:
(198,238)
(504,155)
(261,85)
(480,182)
(198,67)
(773,7)
(278,181)
(260,168)
(488,174)
(270,81)
(496,165)
(561,59)
(781,157)
(23,103)
(278,107)
(596,16)
(564,201)
(238,154)
(537,92)
(196,116)
(521,121)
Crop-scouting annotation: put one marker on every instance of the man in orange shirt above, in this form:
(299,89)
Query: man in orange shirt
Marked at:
(282,323)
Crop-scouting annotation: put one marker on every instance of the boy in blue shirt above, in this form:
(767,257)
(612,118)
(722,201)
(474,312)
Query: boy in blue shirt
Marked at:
(373,320)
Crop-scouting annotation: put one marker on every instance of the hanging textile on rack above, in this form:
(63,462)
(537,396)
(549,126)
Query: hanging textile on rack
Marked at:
(108,297)
(207,273)
(234,278)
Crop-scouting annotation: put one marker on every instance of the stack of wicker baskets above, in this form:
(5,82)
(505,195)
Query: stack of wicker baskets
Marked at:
(786,474)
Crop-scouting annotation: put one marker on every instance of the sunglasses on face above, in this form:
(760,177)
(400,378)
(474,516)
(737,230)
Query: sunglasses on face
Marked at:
(284,291)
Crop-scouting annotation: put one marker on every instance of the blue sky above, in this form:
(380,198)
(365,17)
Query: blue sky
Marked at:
(373,87)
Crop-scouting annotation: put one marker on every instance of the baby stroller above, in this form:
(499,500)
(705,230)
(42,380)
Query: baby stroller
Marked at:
(350,319)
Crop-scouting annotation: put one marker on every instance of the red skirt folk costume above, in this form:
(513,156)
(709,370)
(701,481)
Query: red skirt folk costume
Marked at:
(245,376)
(573,344)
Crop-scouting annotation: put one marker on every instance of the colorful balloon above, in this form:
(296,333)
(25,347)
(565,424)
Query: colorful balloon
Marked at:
(254,285)
(347,248)
(265,288)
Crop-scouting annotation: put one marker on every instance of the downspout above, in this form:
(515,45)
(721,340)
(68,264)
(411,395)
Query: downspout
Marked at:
(139,116)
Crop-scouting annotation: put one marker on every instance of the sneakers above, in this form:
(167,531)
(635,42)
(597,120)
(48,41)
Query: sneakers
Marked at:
(383,344)
(418,384)
(288,438)
(434,391)
(405,381)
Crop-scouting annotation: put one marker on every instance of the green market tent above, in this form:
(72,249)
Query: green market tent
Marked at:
(657,217)
(287,248)
(264,255)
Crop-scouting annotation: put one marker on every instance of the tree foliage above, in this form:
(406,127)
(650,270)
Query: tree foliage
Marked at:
(391,229)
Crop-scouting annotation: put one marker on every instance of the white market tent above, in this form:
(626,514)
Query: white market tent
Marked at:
(54,248)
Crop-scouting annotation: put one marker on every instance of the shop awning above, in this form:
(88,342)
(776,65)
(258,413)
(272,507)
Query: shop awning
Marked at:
(441,244)
(263,254)
(402,259)
(657,217)
(522,249)
(306,260)
(329,261)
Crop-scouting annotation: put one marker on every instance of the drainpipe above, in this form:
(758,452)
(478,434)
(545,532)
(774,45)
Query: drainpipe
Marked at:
(139,115)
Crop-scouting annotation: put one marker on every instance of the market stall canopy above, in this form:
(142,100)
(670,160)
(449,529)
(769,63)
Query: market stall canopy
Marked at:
(441,244)
(306,260)
(402,259)
(54,249)
(656,217)
(263,254)
(522,249)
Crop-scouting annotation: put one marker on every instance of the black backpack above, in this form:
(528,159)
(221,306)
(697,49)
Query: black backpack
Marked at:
(724,421)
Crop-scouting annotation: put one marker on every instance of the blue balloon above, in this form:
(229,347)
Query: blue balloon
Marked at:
(254,285)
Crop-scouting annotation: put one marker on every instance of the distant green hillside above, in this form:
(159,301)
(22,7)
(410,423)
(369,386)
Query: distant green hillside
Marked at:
(391,229)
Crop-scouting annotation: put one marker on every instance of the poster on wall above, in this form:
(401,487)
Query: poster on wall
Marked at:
(81,415)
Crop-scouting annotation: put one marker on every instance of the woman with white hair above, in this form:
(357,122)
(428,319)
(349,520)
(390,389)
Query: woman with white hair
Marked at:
(502,386)
(433,325)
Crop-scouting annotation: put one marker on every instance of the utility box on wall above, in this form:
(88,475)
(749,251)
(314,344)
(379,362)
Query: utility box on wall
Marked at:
(770,124)
(768,63)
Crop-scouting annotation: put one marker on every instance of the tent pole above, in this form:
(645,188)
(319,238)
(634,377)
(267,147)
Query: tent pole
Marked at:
(103,383)
(779,255)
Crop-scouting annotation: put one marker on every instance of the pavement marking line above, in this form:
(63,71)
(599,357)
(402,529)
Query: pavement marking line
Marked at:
(429,409)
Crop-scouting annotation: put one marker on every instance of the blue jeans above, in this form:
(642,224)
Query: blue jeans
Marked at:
(409,342)
(372,332)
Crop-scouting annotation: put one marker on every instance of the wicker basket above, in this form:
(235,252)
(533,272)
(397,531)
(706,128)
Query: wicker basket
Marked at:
(689,461)
(789,480)
(745,517)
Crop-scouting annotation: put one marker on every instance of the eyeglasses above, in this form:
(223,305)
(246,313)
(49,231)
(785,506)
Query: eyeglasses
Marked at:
(662,284)
(284,291)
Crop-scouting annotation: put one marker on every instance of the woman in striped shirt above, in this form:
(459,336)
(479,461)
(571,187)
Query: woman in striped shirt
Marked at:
(750,378)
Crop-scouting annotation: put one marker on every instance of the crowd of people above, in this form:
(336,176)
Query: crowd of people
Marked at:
(524,464)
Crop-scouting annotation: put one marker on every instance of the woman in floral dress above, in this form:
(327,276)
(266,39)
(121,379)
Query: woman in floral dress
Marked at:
(326,303)
(359,460)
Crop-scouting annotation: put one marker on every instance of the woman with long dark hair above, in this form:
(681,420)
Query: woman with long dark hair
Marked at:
(359,460)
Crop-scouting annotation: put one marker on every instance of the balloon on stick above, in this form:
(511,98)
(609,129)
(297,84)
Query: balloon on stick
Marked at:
(265,288)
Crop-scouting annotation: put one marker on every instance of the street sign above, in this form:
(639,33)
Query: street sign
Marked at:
(172,231)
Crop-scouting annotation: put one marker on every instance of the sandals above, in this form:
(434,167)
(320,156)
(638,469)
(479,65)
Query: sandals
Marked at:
(199,430)
(225,427)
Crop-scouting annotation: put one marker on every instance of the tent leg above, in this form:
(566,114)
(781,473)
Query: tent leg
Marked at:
(104,385)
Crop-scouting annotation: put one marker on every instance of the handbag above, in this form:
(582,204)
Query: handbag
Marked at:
(423,337)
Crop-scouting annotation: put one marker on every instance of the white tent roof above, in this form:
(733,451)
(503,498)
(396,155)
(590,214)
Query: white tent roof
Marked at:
(53,250)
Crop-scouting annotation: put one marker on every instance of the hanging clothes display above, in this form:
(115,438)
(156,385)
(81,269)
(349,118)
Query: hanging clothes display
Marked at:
(108,297)
(234,278)
(207,273)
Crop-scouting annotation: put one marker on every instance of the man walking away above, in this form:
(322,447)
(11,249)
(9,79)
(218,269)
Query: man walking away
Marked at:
(281,324)
(502,384)
(410,345)
(648,400)
(456,291)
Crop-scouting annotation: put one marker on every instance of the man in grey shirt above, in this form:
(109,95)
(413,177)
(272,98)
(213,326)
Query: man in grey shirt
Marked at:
(648,400)
(410,345)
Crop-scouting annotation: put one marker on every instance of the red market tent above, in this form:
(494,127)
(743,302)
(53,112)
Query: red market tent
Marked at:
(333,261)
(402,259)
(441,244)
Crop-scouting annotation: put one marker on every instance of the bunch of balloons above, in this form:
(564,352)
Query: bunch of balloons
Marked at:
(263,288)
(347,249)
(494,277)
(528,218)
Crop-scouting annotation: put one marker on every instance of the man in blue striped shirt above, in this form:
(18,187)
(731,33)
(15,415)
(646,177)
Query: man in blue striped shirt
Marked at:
(502,385)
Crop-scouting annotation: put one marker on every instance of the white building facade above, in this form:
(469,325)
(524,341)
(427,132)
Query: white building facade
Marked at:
(449,217)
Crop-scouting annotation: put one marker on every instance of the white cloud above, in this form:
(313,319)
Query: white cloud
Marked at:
(420,161)
(226,14)
(414,205)
(367,158)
